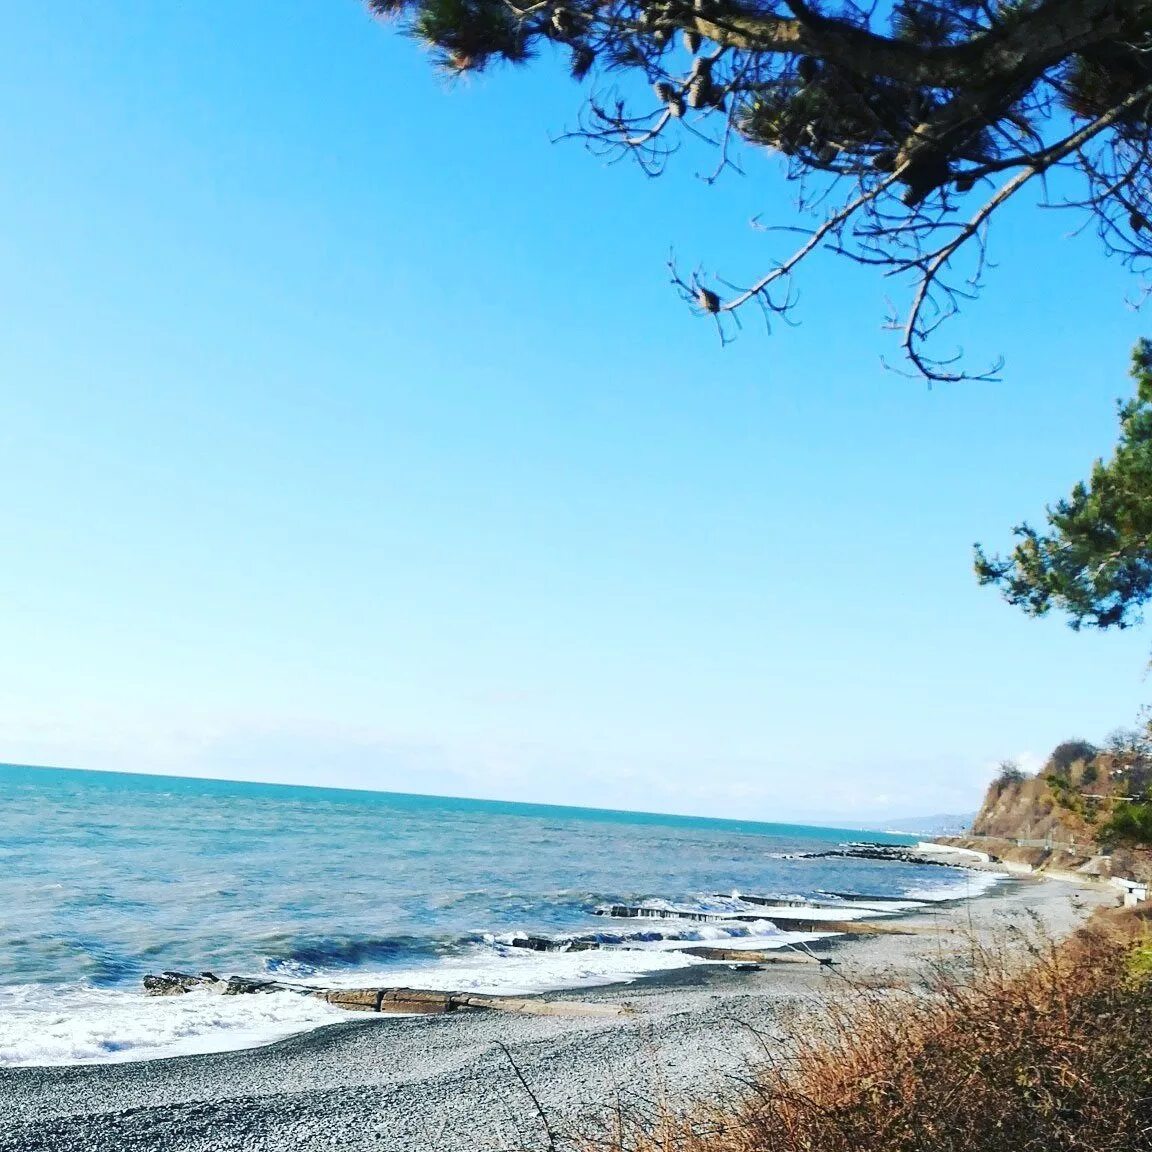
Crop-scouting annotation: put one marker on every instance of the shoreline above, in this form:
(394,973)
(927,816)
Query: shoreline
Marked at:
(446,1082)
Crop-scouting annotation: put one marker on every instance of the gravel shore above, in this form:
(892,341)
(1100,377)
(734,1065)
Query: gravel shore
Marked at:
(448,1083)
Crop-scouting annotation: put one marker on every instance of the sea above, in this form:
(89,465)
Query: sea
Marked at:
(105,877)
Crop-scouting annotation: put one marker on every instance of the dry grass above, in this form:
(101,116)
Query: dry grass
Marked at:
(1052,1056)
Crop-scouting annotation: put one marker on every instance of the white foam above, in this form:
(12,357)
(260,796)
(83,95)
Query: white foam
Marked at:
(722,907)
(815,912)
(775,941)
(798,903)
(881,906)
(51,1025)
(766,911)
(501,970)
(43,1025)
(663,931)
(963,884)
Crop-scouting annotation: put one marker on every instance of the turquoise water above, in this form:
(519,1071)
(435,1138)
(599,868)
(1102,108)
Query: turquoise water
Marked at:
(104,877)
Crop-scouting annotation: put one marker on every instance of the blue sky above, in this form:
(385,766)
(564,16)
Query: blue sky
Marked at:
(350,433)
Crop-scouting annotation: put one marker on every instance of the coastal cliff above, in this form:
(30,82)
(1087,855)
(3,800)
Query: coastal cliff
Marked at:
(1027,809)
(1060,818)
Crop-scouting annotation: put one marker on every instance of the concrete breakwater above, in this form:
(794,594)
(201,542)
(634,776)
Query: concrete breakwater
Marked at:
(399,1001)
(785,923)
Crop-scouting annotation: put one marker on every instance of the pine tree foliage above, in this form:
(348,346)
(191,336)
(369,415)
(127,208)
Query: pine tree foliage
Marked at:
(1093,560)
(906,125)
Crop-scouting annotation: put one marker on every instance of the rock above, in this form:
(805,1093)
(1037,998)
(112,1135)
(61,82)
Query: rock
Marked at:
(175,983)
(547,944)
(244,985)
(354,999)
(425,1003)
(170,983)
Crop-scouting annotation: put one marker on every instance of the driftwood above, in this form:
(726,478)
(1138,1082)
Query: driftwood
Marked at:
(401,1001)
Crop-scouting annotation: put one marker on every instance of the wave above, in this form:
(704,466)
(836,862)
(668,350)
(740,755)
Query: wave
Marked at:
(687,934)
(42,1025)
(317,953)
(737,910)
(963,884)
(88,1022)
(506,970)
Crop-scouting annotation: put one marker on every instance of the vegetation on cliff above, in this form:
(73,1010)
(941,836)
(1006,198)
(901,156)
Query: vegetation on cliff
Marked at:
(1084,795)
(1057,1055)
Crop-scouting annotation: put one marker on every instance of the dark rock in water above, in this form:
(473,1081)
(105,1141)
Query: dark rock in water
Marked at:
(641,912)
(580,944)
(172,983)
(243,985)
(880,852)
(865,896)
(771,901)
(546,944)
(534,943)
(177,983)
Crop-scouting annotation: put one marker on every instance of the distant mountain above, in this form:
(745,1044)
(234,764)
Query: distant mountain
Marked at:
(939,825)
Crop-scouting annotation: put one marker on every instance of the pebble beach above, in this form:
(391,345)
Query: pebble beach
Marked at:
(454,1082)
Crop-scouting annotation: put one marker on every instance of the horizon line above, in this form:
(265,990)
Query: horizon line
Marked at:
(444,796)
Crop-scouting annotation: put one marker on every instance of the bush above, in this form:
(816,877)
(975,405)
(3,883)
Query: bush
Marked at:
(1055,1057)
(1130,823)
(1008,775)
(1130,745)
(1069,752)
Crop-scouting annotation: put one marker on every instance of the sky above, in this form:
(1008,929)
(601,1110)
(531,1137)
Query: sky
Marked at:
(351,434)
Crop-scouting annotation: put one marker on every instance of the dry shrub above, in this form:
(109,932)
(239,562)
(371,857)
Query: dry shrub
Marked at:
(1056,1055)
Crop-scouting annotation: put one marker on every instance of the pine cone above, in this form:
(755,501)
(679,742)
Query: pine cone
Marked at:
(707,299)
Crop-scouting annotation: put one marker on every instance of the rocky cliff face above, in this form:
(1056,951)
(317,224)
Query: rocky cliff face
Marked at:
(1066,805)
(1028,810)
